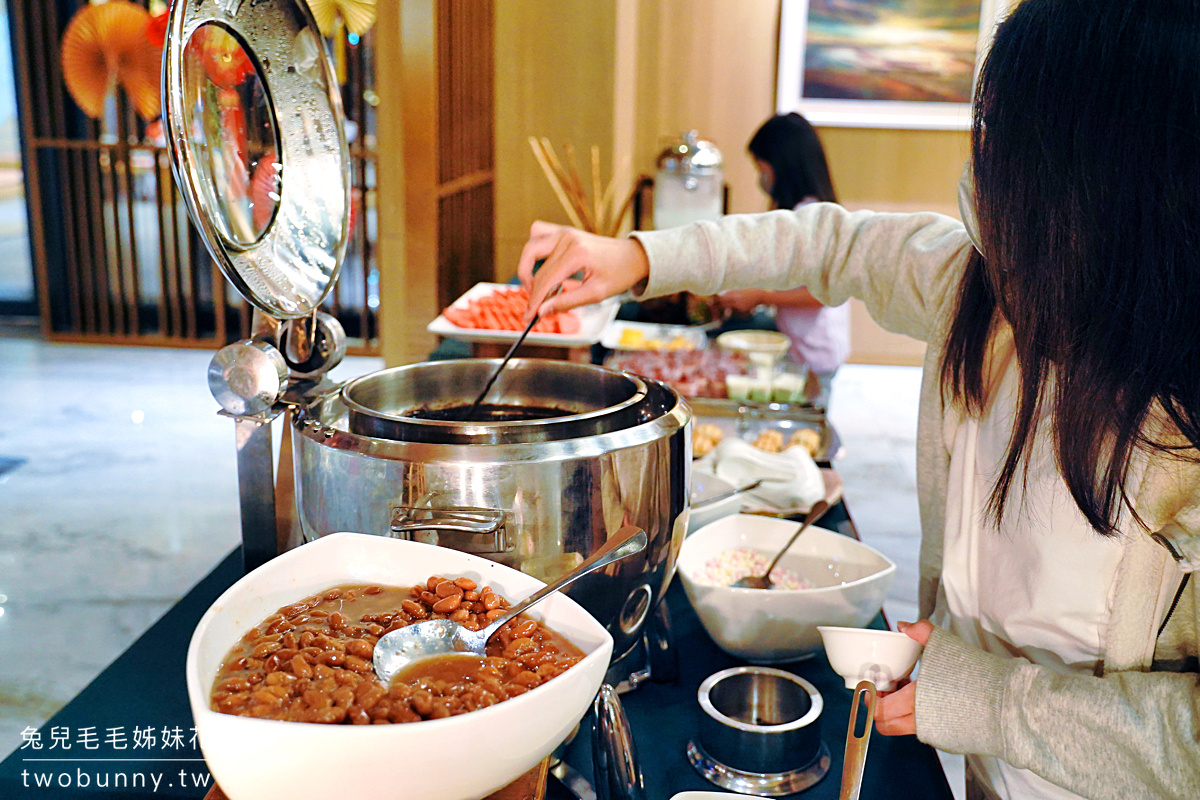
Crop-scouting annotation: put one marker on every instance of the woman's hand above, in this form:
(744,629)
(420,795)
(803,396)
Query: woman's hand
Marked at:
(896,712)
(608,267)
(742,301)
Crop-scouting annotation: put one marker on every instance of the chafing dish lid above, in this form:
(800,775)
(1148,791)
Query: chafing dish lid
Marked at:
(257,145)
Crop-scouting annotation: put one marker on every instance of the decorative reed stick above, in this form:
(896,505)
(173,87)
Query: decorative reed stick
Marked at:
(596,216)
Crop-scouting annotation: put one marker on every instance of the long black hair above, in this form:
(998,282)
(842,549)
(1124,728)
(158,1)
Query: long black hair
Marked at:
(791,146)
(1086,155)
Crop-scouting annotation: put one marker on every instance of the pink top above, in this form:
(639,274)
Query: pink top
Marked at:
(820,336)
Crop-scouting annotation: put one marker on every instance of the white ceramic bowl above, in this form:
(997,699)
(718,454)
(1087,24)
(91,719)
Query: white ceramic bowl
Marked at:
(459,758)
(706,485)
(883,657)
(851,581)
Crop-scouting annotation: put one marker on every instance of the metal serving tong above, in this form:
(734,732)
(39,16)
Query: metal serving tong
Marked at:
(856,744)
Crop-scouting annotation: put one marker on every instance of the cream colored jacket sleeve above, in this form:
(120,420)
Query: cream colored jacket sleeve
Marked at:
(905,267)
(1126,734)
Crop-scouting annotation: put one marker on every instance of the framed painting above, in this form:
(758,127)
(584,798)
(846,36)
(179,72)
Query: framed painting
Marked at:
(883,63)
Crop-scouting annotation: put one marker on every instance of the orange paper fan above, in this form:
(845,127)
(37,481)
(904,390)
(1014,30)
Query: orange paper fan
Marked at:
(358,15)
(105,45)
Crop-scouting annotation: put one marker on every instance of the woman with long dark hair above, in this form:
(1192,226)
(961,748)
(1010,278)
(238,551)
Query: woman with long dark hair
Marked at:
(793,171)
(1058,446)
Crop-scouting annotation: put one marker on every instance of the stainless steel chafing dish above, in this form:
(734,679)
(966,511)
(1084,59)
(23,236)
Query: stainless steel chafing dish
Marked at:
(268,186)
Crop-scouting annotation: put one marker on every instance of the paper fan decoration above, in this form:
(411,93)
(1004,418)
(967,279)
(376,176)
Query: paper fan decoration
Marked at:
(156,29)
(225,62)
(358,15)
(105,45)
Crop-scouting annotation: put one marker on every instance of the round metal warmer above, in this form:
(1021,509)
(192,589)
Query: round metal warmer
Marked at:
(584,400)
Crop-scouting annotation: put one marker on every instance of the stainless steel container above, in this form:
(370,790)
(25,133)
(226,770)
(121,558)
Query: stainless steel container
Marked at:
(760,732)
(539,506)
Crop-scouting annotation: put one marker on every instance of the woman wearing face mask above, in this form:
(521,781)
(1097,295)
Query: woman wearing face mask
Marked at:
(1058,441)
(793,171)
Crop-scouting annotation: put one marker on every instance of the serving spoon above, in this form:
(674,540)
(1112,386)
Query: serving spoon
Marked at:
(439,637)
(764,581)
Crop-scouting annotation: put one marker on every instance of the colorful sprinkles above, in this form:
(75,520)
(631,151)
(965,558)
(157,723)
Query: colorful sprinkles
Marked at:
(733,565)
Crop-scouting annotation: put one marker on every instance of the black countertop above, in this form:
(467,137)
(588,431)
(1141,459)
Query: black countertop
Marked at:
(129,733)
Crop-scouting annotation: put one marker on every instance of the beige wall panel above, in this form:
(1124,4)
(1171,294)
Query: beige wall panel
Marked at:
(555,68)
(407,179)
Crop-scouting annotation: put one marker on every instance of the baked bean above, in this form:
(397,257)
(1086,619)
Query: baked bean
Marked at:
(359,664)
(369,694)
(360,648)
(330,716)
(447,588)
(343,696)
(311,661)
(447,604)
(265,649)
(300,667)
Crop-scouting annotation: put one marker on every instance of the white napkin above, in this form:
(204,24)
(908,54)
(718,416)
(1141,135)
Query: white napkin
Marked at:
(791,479)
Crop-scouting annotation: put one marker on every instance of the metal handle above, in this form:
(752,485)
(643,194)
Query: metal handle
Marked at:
(465,519)
(716,498)
(627,542)
(615,766)
(815,513)
(856,745)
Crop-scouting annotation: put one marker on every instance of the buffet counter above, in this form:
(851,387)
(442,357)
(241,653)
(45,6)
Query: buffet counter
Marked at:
(129,733)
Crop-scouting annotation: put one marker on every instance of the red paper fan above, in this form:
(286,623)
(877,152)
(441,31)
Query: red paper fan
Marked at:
(225,62)
(105,45)
(156,29)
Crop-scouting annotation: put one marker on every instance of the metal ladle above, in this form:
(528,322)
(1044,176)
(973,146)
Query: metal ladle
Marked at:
(507,356)
(764,581)
(439,637)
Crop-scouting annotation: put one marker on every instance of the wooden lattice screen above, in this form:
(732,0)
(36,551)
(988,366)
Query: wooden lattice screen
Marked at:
(115,256)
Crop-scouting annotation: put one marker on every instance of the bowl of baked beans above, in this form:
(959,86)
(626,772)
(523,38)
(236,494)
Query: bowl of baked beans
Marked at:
(286,702)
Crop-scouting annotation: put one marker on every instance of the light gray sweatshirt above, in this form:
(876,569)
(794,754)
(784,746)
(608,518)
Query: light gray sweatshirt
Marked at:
(1132,731)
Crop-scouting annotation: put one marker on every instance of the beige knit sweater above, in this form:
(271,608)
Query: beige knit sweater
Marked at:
(1132,731)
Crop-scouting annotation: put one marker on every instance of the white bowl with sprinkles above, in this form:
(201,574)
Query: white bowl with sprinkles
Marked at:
(824,579)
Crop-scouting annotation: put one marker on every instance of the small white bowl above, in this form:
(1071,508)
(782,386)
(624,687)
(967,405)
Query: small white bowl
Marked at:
(255,758)
(850,583)
(772,344)
(882,657)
